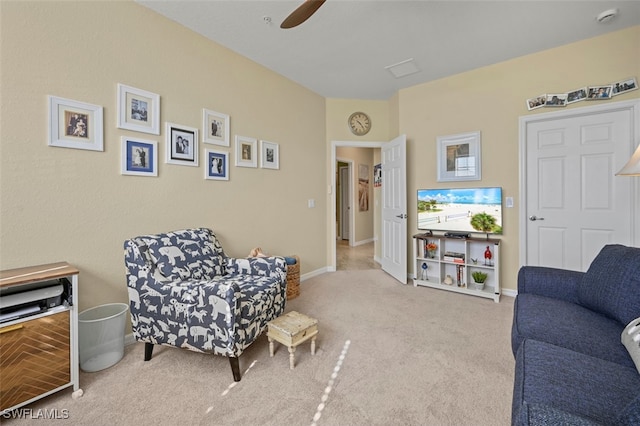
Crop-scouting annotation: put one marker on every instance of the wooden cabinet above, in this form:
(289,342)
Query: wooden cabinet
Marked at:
(39,353)
(453,261)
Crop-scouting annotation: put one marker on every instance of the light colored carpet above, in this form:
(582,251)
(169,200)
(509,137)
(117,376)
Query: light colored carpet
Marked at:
(387,354)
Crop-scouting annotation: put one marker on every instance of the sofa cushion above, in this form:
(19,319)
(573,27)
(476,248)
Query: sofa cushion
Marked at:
(578,384)
(185,254)
(611,285)
(568,325)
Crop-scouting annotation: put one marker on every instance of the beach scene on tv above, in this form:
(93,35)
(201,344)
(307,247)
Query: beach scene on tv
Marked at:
(465,210)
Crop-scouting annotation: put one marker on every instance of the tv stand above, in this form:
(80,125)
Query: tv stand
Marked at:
(448,263)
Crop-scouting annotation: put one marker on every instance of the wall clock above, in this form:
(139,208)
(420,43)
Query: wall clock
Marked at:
(359,123)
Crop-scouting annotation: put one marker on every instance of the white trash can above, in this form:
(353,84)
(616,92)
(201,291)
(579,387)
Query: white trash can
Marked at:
(101,334)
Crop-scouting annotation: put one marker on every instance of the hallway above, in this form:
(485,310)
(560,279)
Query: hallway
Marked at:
(354,258)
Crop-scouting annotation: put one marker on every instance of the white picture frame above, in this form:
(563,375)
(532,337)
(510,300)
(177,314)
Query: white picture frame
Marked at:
(216,165)
(74,124)
(269,155)
(215,127)
(139,157)
(138,110)
(459,157)
(182,145)
(246,152)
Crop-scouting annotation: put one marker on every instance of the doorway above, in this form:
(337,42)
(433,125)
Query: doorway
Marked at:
(348,250)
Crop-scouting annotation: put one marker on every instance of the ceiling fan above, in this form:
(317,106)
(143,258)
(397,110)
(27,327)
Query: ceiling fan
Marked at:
(302,13)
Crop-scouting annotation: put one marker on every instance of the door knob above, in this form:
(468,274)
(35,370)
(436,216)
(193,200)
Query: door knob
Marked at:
(402,216)
(534,218)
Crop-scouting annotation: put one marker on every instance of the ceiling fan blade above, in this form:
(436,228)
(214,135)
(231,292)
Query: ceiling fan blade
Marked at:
(302,13)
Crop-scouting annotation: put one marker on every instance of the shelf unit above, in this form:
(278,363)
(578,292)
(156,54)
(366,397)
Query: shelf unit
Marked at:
(51,335)
(465,250)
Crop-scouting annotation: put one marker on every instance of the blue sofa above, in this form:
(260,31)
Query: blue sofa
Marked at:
(185,292)
(571,366)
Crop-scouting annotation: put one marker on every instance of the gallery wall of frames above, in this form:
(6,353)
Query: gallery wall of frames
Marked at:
(586,93)
(79,125)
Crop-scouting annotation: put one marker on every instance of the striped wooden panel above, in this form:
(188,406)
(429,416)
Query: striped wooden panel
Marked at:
(34,358)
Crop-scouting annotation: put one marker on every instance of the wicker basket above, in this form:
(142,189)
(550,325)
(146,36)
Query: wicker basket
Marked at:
(293,279)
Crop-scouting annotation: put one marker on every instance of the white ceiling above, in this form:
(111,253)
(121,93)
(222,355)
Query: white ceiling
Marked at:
(343,49)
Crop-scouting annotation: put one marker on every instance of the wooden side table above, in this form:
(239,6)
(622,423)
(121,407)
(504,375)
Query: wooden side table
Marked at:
(292,329)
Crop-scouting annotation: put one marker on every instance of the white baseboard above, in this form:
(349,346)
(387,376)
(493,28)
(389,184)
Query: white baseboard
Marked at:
(129,339)
(315,273)
(509,293)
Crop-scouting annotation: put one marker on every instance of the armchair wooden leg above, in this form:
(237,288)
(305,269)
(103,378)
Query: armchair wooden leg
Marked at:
(148,351)
(235,368)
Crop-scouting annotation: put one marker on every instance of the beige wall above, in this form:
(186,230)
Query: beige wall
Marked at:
(64,204)
(492,99)
(73,205)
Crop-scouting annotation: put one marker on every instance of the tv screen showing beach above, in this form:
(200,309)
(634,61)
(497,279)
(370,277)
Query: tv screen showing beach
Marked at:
(460,210)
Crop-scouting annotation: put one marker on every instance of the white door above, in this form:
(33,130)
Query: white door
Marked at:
(345,202)
(574,202)
(394,208)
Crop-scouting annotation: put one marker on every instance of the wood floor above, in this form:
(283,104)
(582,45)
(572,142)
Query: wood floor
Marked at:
(355,258)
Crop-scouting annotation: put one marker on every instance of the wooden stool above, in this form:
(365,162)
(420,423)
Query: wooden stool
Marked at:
(291,330)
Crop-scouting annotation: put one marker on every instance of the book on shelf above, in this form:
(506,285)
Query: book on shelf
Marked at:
(452,256)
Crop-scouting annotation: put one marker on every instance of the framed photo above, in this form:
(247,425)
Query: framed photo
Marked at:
(216,165)
(577,95)
(377,175)
(74,124)
(459,157)
(556,100)
(138,110)
(139,157)
(363,187)
(624,86)
(246,152)
(537,102)
(182,145)
(598,93)
(215,127)
(269,155)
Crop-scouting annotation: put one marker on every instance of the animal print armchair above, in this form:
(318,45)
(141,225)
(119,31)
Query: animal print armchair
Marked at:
(185,292)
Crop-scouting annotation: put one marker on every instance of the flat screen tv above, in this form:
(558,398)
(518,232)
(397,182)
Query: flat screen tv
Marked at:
(460,210)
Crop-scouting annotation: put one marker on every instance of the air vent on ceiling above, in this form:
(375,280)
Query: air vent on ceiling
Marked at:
(403,69)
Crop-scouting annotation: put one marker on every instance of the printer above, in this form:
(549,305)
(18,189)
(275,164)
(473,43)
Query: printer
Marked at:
(32,298)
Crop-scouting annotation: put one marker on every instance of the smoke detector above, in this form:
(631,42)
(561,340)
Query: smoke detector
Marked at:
(607,16)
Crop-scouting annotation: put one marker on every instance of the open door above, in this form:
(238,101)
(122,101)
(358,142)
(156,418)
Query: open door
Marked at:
(394,208)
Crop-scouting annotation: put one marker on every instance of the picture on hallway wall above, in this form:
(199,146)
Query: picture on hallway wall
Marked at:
(182,145)
(377,175)
(139,157)
(598,93)
(74,124)
(269,155)
(624,86)
(363,187)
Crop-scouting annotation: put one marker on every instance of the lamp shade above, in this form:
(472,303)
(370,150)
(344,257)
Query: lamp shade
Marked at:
(632,168)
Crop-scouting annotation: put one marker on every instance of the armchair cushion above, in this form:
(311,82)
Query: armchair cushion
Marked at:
(190,253)
(611,285)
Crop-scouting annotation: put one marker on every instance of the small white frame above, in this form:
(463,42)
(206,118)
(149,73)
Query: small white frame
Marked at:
(138,110)
(459,157)
(215,127)
(246,152)
(269,155)
(74,124)
(182,145)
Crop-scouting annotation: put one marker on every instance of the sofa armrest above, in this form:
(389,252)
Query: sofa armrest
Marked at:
(556,283)
(274,266)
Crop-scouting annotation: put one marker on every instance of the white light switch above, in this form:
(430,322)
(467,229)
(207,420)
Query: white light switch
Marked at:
(312,203)
(509,202)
